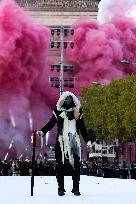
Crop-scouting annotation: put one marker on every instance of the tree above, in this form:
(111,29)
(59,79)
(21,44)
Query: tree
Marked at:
(110,110)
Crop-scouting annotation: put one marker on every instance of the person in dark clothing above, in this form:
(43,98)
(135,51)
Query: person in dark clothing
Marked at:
(1,167)
(69,118)
(5,169)
(106,170)
(24,168)
(124,171)
(133,170)
(117,171)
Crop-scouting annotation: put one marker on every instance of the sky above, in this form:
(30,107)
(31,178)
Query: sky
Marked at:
(111,8)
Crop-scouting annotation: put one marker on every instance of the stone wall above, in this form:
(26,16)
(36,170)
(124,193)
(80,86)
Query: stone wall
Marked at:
(59,18)
(59,12)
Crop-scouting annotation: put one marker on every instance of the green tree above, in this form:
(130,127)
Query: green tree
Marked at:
(111,110)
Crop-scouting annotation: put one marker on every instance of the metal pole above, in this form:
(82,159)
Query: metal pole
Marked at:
(61,60)
(33,169)
(33,137)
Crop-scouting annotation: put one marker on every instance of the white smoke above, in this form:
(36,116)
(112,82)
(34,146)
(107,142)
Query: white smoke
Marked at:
(103,10)
(110,8)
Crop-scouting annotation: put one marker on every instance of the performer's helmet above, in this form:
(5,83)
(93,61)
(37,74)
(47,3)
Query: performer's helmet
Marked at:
(68,103)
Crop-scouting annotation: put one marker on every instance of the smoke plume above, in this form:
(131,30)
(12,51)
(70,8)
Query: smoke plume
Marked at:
(100,48)
(24,86)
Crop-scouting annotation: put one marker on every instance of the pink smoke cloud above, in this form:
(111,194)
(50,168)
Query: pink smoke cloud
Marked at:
(99,49)
(24,75)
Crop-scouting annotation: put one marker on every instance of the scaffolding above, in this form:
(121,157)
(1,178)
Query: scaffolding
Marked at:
(59,40)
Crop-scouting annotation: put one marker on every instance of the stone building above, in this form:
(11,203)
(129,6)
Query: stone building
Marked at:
(59,12)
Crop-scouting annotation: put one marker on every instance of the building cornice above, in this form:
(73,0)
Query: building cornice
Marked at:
(60,5)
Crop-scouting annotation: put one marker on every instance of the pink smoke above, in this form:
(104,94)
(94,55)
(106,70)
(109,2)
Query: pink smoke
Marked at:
(99,49)
(24,75)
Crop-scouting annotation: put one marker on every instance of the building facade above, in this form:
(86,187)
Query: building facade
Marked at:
(59,12)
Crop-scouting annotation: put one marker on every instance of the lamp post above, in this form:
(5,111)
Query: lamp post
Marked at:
(58,40)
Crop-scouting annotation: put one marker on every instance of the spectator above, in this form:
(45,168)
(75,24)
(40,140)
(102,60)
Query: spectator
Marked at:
(133,170)
(124,171)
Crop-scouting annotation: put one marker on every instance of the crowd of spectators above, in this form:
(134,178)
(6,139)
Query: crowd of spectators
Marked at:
(108,169)
(43,167)
(23,167)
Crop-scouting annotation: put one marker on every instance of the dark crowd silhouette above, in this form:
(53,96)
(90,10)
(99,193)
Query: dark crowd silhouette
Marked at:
(92,167)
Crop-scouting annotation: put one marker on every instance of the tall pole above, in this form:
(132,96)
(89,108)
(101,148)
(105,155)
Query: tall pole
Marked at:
(33,169)
(33,141)
(62,60)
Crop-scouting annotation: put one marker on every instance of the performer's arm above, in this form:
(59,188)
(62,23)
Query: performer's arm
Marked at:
(49,125)
(83,130)
(82,127)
